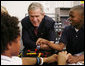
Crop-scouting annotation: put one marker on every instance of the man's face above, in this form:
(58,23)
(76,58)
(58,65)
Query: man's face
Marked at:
(75,18)
(36,17)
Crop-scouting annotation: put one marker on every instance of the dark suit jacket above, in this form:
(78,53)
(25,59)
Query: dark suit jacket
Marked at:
(45,30)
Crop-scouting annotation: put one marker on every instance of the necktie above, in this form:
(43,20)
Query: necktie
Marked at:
(36,30)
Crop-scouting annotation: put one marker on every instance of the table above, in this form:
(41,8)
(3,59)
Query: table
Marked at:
(39,53)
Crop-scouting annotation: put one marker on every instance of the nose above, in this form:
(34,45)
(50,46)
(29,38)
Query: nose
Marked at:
(35,19)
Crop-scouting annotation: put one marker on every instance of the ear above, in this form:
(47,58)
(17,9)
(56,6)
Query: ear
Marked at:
(82,18)
(43,13)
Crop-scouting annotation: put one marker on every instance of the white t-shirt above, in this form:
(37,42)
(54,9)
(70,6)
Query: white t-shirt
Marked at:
(76,30)
(5,60)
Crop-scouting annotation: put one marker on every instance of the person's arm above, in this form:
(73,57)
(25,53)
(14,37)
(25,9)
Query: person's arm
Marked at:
(59,46)
(33,61)
(27,42)
(42,41)
(62,42)
(45,47)
(28,61)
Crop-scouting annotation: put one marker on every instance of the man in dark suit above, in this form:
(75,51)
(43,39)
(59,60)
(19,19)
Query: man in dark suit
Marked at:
(36,25)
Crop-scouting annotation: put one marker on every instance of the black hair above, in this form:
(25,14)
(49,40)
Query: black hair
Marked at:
(9,30)
(78,8)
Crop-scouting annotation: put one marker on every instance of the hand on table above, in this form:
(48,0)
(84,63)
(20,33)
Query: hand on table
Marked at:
(62,57)
(73,59)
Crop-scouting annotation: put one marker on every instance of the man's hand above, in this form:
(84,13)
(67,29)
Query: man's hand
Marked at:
(44,47)
(73,59)
(62,57)
(42,41)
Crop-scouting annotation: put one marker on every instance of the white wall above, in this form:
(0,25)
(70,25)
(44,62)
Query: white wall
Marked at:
(19,8)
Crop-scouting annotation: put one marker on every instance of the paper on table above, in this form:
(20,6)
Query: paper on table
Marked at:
(78,63)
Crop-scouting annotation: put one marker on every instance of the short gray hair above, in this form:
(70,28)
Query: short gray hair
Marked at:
(34,6)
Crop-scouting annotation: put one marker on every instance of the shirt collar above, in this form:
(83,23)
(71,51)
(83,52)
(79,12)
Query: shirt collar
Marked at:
(76,30)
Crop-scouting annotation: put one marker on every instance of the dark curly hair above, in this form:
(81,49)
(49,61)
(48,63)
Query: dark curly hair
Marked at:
(9,30)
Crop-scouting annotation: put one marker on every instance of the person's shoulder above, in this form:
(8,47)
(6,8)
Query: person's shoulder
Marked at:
(25,19)
(48,19)
(68,27)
